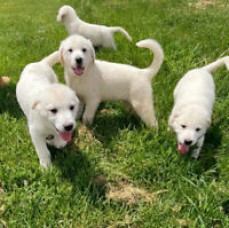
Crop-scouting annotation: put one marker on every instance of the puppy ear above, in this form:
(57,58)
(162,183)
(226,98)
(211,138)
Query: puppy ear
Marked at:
(35,105)
(93,54)
(173,117)
(92,51)
(60,16)
(61,55)
(208,122)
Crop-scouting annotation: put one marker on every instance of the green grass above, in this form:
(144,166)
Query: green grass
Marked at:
(118,147)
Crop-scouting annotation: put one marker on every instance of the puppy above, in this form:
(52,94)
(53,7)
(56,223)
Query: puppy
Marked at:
(100,35)
(95,81)
(50,107)
(194,98)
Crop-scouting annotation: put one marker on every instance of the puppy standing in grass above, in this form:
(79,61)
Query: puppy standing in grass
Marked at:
(194,98)
(100,35)
(95,80)
(50,107)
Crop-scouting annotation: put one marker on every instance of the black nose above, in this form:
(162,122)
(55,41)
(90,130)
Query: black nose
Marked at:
(188,142)
(79,60)
(68,127)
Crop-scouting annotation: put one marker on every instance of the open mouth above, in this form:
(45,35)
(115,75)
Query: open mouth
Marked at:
(79,70)
(66,135)
(183,148)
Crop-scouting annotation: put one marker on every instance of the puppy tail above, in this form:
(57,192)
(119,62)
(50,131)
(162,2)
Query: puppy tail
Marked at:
(52,59)
(218,63)
(157,50)
(123,31)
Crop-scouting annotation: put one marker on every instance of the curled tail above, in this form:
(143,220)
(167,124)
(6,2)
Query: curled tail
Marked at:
(52,59)
(218,63)
(157,50)
(123,31)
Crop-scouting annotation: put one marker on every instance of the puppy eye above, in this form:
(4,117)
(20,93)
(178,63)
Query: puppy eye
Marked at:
(70,50)
(72,107)
(84,50)
(183,126)
(54,110)
(197,129)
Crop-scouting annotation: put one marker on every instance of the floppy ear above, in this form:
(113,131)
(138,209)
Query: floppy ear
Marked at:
(208,121)
(60,16)
(61,55)
(173,117)
(93,54)
(92,51)
(35,105)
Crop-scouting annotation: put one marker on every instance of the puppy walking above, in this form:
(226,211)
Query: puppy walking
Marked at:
(95,81)
(194,98)
(50,107)
(100,35)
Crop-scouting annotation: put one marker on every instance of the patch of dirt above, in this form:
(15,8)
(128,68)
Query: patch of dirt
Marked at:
(84,131)
(203,4)
(4,81)
(126,223)
(127,193)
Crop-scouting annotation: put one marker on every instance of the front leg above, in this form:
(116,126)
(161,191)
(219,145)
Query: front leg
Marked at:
(80,110)
(196,152)
(90,110)
(43,153)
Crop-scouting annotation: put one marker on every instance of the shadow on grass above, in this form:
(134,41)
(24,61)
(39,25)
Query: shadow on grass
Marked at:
(9,102)
(79,170)
(107,126)
(225,206)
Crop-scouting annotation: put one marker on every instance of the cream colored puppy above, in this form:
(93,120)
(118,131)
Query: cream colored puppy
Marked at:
(50,107)
(194,98)
(100,35)
(95,80)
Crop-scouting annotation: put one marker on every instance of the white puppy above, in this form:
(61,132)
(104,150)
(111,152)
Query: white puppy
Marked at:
(95,81)
(50,107)
(100,35)
(194,98)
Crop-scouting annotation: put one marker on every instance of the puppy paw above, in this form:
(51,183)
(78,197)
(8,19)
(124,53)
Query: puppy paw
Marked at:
(154,124)
(196,153)
(45,163)
(59,144)
(87,120)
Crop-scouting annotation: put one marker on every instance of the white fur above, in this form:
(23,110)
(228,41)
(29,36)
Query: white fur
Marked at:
(105,81)
(39,93)
(194,98)
(100,35)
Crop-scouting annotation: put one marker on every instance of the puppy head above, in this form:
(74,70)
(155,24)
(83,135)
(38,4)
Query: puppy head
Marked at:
(77,55)
(66,13)
(58,105)
(190,124)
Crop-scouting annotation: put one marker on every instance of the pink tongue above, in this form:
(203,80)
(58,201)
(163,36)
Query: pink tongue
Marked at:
(66,136)
(78,70)
(183,148)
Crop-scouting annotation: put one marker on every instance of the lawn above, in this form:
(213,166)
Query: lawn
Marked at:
(117,172)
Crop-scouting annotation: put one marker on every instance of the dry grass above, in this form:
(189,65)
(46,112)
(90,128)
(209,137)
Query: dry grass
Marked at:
(4,81)
(127,193)
(125,223)
(203,4)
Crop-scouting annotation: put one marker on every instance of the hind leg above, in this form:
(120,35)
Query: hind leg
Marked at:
(108,41)
(142,102)
(144,109)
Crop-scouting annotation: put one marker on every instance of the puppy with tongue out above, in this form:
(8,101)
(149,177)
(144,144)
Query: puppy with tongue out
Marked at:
(194,98)
(50,107)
